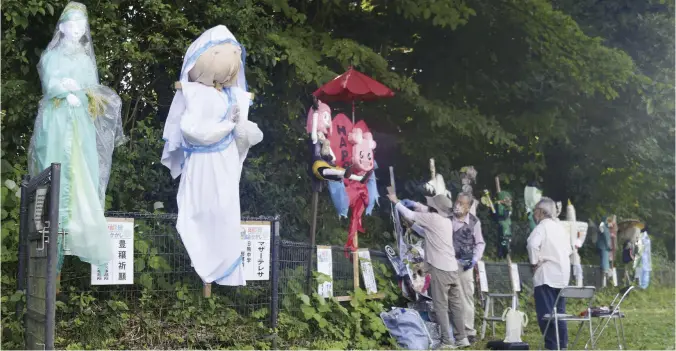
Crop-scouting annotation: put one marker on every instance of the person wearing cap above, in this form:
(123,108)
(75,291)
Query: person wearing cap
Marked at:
(469,245)
(440,262)
(549,253)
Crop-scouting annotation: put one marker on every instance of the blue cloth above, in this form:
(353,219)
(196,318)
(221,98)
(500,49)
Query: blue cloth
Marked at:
(339,197)
(545,296)
(407,327)
(644,278)
(372,188)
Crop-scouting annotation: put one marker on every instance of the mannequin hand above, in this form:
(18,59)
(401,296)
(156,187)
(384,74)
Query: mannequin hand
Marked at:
(73,100)
(70,84)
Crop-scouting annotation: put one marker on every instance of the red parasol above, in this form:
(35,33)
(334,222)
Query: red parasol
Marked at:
(352,86)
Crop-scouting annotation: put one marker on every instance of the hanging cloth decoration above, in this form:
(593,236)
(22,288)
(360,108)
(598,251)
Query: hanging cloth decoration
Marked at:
(207,137)
(78,125)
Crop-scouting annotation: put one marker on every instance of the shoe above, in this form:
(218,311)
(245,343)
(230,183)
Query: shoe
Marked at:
(446,347)
(471,339)
(462,343)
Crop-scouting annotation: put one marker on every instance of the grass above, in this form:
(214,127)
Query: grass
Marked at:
(649,322)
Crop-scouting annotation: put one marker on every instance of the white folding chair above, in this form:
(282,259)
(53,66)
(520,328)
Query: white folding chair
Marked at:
(615,315)
(571,292)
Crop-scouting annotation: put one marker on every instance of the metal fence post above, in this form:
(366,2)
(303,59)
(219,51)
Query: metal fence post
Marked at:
(274,281)
(23,242)
(50,298)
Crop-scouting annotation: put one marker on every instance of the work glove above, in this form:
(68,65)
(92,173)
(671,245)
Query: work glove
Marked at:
(408,203)
(468,265)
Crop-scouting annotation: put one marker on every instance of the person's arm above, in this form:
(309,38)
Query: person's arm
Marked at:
(405,212)
(479,244)
(418,207)
(533,246)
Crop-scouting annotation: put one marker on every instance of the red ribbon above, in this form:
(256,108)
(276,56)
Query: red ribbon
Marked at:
(359,199)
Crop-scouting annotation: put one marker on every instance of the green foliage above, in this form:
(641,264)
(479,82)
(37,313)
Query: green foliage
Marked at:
(325,323)
(576,94)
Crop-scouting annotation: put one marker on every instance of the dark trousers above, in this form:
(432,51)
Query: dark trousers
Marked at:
(545,296)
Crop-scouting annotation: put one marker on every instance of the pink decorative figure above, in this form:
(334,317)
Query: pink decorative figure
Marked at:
(362,150)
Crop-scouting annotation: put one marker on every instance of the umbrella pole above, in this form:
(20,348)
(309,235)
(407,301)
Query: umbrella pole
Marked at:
(352,111)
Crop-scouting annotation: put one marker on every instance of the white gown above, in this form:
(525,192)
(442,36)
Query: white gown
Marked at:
(207,149)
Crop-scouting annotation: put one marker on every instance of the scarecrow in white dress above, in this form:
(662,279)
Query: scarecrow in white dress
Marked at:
(207,136)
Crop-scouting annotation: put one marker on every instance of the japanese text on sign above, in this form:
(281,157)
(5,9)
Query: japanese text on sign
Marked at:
(256,254)
(367,271)
(121,269)
(325,266)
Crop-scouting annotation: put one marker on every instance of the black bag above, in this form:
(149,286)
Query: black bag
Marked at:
(628,252)
(501,345)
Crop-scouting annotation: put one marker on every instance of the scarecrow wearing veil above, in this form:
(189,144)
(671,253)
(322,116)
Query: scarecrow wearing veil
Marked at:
(78,125)
(208,136)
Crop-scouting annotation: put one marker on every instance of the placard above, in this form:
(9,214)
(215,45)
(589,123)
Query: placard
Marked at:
(255,236)
(119,271)
(325,266)
(516,281)
(367,271)
(483,279)
(39,209)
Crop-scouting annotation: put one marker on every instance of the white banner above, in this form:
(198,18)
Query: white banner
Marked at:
(367,271)
(256,255)
(325,266)
(119,271)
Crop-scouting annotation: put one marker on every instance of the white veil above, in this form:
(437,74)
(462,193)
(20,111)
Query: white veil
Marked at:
(173,155)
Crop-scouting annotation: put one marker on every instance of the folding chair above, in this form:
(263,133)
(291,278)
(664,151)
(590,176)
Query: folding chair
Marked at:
(613,315)
(571,292)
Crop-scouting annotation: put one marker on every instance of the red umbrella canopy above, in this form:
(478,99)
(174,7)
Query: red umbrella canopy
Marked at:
(352,85)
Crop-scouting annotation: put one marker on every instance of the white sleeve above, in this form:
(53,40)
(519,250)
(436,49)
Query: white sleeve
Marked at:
(534,244)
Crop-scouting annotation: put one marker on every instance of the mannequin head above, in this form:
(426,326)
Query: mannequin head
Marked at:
(362,149)
(324,119)
(218,66)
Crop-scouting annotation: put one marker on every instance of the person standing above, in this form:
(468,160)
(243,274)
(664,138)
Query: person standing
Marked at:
(440,262)
(469,245)
(549,253)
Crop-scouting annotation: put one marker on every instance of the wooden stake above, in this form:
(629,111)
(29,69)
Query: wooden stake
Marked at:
(313,226)
(207,290)
(355,261)
(497,184)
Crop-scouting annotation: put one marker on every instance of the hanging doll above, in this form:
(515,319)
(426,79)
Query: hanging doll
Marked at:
(577,232)
(468,177)
(501,212)
(353,146)
(323,160)
(208,136)
(78,125)
(604,246)
(531,196)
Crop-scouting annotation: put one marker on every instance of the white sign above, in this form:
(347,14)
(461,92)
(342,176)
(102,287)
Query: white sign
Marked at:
(516,281)
(367,271)
(120,270)
(255,236)
(325,266)
(483,279)
(40,196)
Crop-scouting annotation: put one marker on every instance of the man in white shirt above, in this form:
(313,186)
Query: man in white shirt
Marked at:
(549,252)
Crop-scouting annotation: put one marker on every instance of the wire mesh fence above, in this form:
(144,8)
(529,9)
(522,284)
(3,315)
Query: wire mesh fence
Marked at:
(162,269)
